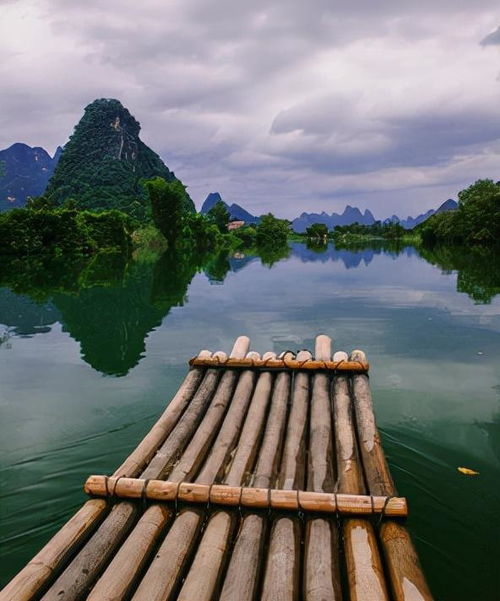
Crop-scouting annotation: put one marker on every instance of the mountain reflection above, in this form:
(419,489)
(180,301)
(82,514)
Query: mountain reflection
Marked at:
(110,305)
(351,257)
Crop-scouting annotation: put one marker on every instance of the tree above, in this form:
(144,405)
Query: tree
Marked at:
(219,215)
(317,230)
(167,207)
(272,232)
(476,222)
(479,212)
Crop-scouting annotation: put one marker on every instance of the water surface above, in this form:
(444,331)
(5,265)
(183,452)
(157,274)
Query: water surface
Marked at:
(89,355)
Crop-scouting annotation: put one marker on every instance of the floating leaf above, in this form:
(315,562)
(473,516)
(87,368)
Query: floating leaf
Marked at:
(467,471)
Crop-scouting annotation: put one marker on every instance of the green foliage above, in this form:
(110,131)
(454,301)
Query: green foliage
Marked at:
(270,255)
(167,206)
(183,230)
(475,222)
(200,234)
(217,267)
(246,235)
(105,163)
(317,230)
(106,302)
(389,230)
(477,267)
(272,232)
(41,203)
(317,237)
(219,215)
(63,231)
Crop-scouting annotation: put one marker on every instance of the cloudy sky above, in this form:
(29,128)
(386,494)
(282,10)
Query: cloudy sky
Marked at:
(287,105)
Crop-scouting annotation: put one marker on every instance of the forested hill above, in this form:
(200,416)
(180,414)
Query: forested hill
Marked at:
(104,162)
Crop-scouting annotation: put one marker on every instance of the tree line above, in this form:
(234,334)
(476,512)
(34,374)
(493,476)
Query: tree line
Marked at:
(44,227)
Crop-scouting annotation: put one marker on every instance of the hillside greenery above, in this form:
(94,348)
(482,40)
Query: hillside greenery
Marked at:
(104,164)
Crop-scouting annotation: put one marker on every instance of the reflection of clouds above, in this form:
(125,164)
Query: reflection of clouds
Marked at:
(403,305)
(434,396)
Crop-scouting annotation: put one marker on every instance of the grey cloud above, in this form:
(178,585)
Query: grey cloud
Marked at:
(492,39)
(330,135)
(272,104)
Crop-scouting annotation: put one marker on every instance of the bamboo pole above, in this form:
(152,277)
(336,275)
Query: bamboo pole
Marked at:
(163,575)
(289,364)
(363,563)
(282,572)
(403,566)
(167,455)
(50,560)
(32,578)
(365,573)
(146,449)
(202,440)
(242,577)
(243,572)
(166,569)
(217,532)
(267,463)
(114,585)
(376,470)
(241,466)
(349,471)
(321,567)
(79,576)
(221,450)
(209,558)
(249,497)
(292,472)
(406,576)
(132,556)
(214,545)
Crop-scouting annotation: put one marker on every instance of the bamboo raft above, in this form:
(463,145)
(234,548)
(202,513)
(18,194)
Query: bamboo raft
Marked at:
(263,479)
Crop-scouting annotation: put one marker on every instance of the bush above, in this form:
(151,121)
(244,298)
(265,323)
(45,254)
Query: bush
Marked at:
(272,231)
(62,231)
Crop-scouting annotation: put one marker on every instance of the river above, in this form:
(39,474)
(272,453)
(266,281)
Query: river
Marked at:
(90,355)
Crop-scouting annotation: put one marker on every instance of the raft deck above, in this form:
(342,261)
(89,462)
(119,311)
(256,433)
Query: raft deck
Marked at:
(263,479)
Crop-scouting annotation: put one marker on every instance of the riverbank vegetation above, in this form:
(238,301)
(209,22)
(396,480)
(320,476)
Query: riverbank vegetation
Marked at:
(45,229)
(206,241)
(42,228)
(476,221)
(356,232)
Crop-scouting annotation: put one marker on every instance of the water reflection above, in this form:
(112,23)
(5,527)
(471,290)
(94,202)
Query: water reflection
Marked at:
(110,305)
(435,355)
(352,256)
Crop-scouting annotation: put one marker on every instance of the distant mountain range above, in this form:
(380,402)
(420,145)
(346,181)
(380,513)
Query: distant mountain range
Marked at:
(24,171)
(410,222)
(348,216)
(236,212)
(104,162)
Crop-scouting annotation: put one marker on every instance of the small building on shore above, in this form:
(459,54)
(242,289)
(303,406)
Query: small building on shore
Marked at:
(234,225)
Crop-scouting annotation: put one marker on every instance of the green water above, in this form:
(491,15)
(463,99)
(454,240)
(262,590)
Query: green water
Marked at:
(90,353)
